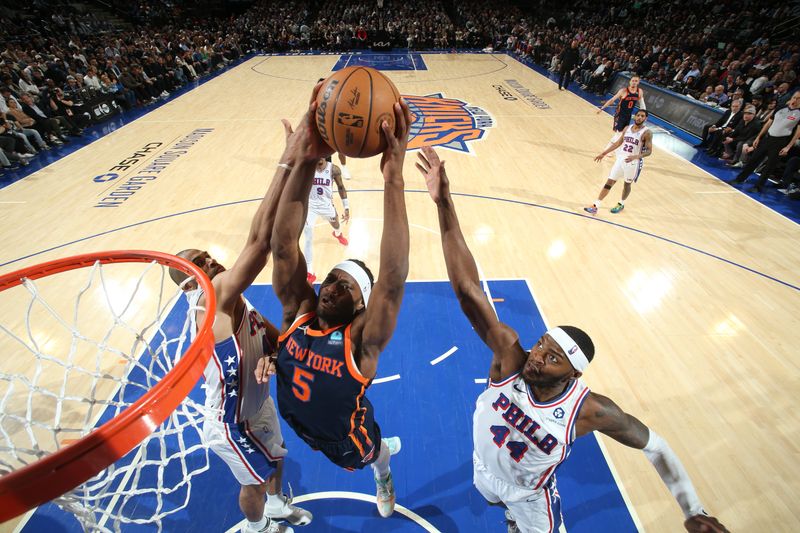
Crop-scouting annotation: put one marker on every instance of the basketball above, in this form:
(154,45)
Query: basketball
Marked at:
(351,105)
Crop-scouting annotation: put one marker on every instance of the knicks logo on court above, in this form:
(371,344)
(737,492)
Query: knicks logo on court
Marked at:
(445,122)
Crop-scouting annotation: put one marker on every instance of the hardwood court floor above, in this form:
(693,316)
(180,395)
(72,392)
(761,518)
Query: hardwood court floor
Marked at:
(691,294)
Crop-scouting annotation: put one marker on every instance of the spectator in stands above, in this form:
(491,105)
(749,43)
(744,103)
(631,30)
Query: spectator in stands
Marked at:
(707,94)
(26,84)
(767,110)
(72,110)
(711,131)
(782,94)
(23,125)
(743,133)
(91,80)
(46,125)
(718,97)
(715,146)
(773,141)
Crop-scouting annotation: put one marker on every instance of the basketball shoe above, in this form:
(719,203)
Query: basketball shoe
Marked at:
(291,513)
(591,210)
(271,527)
(385,497)
(617,208)
(341,238)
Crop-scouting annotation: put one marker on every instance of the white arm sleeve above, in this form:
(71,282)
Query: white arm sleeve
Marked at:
(673,474)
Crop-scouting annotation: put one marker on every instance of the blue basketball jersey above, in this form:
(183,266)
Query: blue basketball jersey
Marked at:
(320,389)
(627,103)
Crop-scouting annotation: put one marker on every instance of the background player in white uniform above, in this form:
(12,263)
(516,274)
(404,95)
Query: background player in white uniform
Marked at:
(637,143)
(536,405)
(246,433)
(320,203)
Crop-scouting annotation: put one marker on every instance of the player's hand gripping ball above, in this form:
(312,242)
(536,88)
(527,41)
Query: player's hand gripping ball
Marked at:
(351,104)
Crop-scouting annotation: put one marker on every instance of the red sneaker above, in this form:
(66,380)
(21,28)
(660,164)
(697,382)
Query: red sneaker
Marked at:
(311,278)
(341,238)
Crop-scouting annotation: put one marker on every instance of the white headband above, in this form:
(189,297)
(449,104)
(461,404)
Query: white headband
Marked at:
(574,353)
(360,275)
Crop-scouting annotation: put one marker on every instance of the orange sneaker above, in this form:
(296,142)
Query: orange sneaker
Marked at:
(341,238)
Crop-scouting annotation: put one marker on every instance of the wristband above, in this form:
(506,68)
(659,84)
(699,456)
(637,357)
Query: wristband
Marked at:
(346,203)
(284,165)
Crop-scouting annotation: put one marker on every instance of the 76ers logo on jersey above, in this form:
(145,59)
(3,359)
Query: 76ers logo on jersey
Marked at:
(445,122)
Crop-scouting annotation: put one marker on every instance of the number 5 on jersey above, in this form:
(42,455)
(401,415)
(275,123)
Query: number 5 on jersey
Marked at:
(301,384)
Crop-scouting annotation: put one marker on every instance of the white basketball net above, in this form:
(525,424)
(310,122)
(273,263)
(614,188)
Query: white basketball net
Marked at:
(62,377)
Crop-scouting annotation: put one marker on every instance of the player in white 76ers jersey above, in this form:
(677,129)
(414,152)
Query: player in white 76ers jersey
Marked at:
(246,433)
(637,143)
(320,203)
(536,405)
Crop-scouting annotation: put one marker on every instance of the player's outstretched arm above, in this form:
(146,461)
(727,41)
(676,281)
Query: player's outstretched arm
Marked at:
(229,285)
(289,272)
(601,414)
(380,318)
(611,100)
(461,267)
(337,177)
(613,147)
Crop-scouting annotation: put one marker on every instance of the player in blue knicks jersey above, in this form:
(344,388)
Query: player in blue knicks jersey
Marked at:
(629,97)
(331,342)
(245,432)
(535,405)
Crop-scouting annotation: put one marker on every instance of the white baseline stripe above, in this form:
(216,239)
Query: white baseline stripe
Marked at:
(408,513)
(387,378)
(445,355)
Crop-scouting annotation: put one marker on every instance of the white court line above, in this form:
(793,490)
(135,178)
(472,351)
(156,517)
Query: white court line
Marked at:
(387,378)
(715,192)
(445,355)
(620,485)
(14,202)
(408,513)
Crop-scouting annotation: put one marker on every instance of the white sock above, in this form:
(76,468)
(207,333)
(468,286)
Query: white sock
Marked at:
(622,202)
(274,503)
(345,172)
(381,465)
(597,203)
(337,232)
(258,526)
